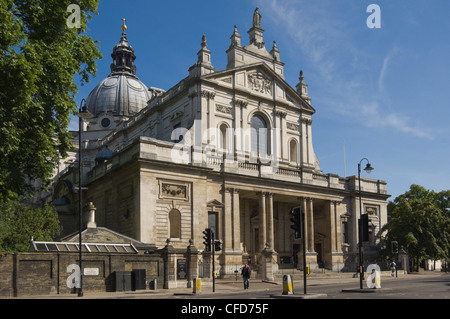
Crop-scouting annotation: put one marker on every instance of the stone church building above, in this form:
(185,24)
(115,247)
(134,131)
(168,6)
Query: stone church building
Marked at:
(230,150)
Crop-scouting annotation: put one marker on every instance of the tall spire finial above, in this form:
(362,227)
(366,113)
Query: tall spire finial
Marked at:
(124,26)
(204,43)
(123,54)
(302,88)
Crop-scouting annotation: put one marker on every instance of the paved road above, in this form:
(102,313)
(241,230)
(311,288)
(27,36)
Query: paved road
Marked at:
(428,285)
(425,285)
(230,300)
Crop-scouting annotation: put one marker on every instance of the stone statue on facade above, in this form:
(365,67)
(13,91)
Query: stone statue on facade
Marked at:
(256,18)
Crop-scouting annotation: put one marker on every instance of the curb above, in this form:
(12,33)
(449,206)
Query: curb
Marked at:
(299,296)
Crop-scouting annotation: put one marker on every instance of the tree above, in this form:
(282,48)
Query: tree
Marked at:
(420,222)
(40,55)
(18,224)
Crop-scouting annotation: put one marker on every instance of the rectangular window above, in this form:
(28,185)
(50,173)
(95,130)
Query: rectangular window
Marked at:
(345,232)
(213,223)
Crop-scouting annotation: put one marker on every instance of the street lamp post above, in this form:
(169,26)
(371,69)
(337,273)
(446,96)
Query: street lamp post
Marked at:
(368,169)
(82,114)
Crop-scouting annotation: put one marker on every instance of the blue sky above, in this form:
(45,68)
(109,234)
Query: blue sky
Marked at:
(380,93)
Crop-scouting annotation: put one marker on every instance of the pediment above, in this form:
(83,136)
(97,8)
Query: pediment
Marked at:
(215,203)
(259,80)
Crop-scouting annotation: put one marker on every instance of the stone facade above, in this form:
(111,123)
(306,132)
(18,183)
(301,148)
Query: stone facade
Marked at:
(230,150)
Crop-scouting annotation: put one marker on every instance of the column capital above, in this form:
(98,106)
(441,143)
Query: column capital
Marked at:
(232,190)
(307,121)
(261,193)
(208,94)
(281,114)
(241,103)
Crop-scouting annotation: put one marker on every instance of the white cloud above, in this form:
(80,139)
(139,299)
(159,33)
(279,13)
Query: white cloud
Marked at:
(345,71)
(315,30)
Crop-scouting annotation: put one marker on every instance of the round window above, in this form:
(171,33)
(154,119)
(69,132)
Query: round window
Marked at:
(106,122)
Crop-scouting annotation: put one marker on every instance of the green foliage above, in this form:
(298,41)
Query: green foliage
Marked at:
(40,55)
(420,222)
(19,223)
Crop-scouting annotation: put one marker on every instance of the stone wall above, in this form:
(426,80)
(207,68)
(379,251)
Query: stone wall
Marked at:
(25,274)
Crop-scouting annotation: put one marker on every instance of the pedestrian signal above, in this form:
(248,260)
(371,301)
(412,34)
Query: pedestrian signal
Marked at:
(217,245)
(297,221)
(394,247)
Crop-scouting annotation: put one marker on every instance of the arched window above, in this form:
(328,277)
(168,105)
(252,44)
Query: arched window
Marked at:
(293,151)
(223,137)
(260,135)
(174,224)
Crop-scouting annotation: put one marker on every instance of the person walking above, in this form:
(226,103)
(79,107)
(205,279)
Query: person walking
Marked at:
(246,272)
(393,268)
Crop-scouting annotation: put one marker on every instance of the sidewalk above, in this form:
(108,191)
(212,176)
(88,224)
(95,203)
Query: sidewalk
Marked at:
(222,286)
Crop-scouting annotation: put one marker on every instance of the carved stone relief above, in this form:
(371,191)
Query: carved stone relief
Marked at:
(171,190)
(258,82)
(223,109)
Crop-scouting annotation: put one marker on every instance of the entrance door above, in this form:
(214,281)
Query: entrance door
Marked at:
(256,241)
(318,249)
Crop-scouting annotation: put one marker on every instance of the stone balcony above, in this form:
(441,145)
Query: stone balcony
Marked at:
(146,148)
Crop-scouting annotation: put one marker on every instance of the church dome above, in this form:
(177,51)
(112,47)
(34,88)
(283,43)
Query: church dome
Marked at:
(121,93)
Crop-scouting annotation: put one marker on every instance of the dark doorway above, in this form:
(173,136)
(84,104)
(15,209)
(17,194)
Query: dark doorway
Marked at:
(318,249)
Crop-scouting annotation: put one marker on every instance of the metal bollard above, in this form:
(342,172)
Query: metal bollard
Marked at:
(153,284)
(197,285)
(287,285)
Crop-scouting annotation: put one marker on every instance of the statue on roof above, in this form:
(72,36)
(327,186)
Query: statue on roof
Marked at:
(256,18)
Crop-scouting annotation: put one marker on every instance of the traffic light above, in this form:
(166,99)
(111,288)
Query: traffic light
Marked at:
(297,220)
(364,227)
(217,245)
(394,245)
(207,239)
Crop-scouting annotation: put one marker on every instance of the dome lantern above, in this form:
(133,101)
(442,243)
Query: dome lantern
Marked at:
(121,94)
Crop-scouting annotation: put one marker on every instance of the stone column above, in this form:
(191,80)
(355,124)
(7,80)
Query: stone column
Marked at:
(304,143)
(270,220)
(236,222)
(332,217)
(169,257)
(311,158)
(209,112)
(337,225)
(337,253)
(284,148)
(310,226)
(227,220)
(311,255)
(246,227)
(231,253)
(267,264)
(192,258)
(262,221)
